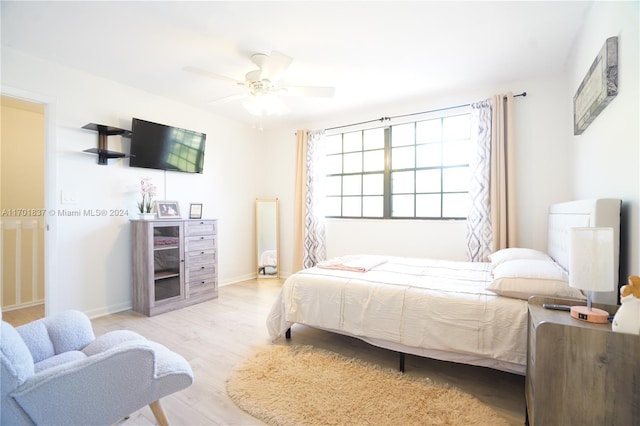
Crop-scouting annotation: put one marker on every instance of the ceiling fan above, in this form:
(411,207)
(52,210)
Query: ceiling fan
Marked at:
(264,85)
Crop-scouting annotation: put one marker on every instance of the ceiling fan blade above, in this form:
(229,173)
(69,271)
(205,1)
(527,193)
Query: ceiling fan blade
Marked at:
(274,65)
(213,75)
(308,91)
(228,99)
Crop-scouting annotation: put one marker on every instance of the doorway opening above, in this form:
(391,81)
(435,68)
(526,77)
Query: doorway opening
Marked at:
(22,206)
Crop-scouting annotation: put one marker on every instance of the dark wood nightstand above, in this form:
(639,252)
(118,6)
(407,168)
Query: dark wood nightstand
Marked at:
(579,373)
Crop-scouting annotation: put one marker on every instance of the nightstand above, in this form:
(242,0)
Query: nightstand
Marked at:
(579,373)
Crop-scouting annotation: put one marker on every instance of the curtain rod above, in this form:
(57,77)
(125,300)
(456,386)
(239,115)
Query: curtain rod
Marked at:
(383,119)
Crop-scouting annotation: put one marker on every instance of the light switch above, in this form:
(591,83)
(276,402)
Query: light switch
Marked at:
(69,197)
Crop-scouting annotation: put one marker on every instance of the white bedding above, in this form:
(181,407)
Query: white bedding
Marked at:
(427,307)
(447,315)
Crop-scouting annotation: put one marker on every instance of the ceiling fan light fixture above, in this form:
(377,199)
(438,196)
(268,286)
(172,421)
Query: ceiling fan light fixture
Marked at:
(265,104)
(263,86)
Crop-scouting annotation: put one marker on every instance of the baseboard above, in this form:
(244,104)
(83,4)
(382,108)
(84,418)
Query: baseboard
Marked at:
(22,305)
(108,310)
(112,309)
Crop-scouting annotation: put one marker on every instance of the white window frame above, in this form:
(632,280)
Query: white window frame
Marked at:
(388,195)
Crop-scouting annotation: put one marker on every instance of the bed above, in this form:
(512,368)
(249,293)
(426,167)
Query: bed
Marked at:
(472,313)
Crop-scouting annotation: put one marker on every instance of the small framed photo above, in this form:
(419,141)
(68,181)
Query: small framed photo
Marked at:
(168,210)
(195,211)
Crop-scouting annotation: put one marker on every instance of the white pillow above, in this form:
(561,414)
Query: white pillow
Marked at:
(516,253)
(523,278)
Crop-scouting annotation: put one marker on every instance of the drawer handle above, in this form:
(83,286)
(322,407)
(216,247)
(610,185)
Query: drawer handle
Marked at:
(201,252)
(202,238)
(201,223)
(202,267)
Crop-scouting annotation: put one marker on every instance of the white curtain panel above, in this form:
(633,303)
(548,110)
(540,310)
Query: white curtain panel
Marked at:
(314,233)
(479,231)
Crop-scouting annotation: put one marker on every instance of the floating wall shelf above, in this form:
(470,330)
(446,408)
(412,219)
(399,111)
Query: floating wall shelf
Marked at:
(103,132)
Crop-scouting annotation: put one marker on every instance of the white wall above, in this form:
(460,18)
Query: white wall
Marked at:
(90,256)
(425,238)
(607,154)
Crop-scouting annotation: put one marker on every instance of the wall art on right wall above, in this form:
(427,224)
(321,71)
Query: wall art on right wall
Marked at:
(598,87)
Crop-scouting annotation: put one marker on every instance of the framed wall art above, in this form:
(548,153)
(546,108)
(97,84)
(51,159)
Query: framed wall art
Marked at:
(598,87)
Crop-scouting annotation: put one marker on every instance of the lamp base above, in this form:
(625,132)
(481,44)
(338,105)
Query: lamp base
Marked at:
(590,315)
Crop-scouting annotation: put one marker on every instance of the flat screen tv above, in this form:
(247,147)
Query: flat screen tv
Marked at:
(157,146)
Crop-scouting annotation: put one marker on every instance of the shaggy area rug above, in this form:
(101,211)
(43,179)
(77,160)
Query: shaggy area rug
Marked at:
(303,385)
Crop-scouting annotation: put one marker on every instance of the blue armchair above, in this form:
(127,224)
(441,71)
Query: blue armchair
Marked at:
(55,371)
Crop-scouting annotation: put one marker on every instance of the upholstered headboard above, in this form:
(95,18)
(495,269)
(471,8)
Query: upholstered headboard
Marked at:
(601,212)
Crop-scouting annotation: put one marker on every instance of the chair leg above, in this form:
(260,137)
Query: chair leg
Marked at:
(158,413)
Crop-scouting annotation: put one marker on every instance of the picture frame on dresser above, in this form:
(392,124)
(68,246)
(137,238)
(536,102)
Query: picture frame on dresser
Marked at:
(168,209)
(195,211)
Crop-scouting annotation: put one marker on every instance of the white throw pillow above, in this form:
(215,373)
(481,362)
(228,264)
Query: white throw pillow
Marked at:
(516,253)
(523,278)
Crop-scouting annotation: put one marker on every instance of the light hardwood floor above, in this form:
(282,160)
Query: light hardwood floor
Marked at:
(215,335)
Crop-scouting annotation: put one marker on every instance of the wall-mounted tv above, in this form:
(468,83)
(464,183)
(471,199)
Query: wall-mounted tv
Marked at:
(157,146)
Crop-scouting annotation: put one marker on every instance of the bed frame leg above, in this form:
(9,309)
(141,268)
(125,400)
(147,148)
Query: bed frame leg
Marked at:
(287,334)
(402,356)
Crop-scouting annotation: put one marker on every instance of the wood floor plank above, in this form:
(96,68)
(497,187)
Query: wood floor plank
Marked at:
(216,335)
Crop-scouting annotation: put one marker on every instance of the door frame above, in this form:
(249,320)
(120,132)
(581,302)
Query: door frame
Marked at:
(50,199)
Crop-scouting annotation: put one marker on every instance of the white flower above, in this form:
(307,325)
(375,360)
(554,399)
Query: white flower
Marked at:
(148,191)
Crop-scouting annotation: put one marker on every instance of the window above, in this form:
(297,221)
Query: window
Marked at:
(410,170)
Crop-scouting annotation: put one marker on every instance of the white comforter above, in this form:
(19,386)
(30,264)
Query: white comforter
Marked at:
(419,303)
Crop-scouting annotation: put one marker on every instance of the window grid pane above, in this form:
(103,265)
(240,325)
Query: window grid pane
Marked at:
(352,185)
(402,206)
(373,161)
(352,162)
(373,206)
(403,182)
(403,158)
(333,144)
(373,184)
(352,206)
(374,138)
(428,205)
(403,134)
(352,142)
(333,164)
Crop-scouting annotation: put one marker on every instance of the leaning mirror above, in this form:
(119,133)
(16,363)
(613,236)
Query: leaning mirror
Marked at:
(267,249)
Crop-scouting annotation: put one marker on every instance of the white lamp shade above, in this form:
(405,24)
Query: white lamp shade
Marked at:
(591,259)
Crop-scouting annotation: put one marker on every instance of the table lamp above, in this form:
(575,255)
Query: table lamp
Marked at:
(591,268)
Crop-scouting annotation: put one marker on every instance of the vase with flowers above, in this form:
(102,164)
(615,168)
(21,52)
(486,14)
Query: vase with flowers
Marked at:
(145,205)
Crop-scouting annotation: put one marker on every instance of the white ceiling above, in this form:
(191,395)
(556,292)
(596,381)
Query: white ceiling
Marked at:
(372,52)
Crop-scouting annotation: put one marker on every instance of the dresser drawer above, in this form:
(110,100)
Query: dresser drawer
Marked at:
(200,257)
(201,287)
(201,275)
(200,227)
(204,242)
